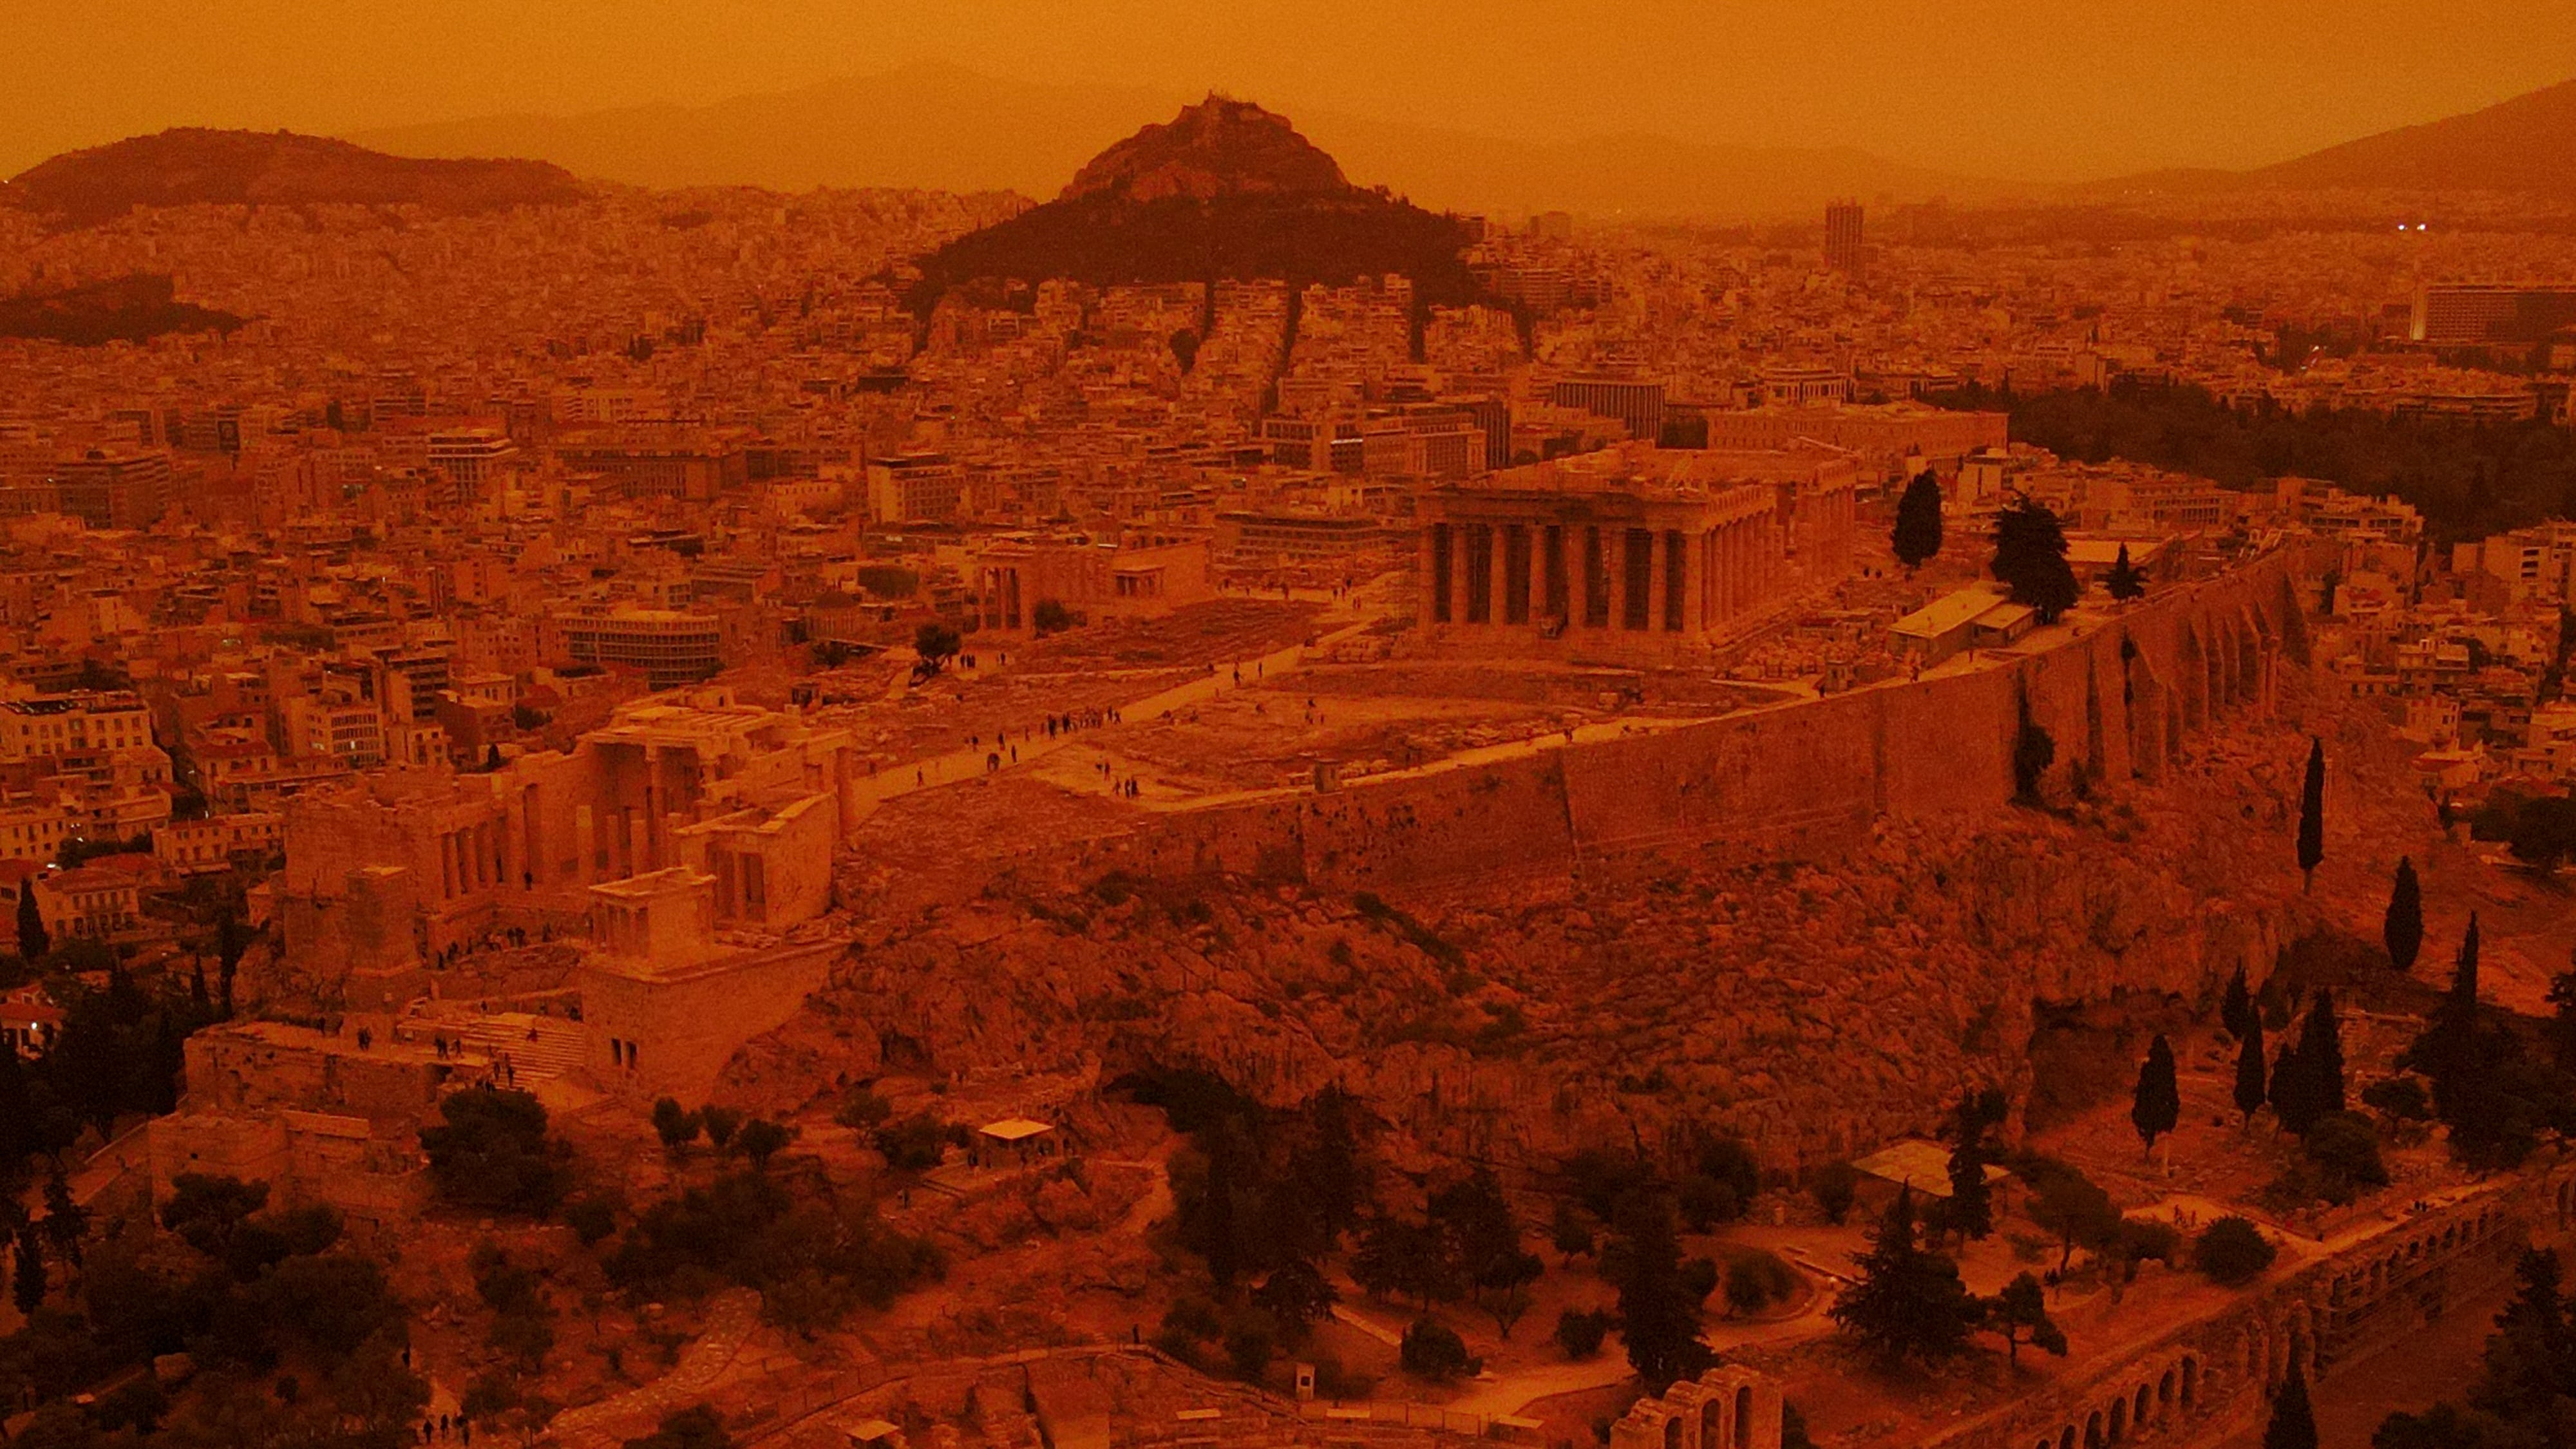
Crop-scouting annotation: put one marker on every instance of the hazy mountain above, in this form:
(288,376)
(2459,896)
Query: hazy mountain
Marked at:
(1226,189)
(2526,144)
(944,127)
(933,126)
(191,165)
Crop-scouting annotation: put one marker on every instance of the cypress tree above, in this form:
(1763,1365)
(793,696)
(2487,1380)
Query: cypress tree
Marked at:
(2294,1089)
(2321,1043)
(2156,1107)
(2294,1422)
(1918,520)
(1971,1210)
(2124,582)
(2236,1008)
(28,1289)
(2447,1052)
(2249,1069)
(2312,814)
(2403,930)
(32,942)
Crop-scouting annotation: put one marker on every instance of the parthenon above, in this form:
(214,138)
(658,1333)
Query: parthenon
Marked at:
(1631,552)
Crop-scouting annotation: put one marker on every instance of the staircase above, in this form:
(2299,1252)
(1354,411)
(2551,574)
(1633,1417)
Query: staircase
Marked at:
(538,1048)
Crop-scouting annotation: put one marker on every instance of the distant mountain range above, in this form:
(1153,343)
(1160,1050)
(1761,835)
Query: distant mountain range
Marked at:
(192,165)
(2526,144)
(1224,189)
(948,128)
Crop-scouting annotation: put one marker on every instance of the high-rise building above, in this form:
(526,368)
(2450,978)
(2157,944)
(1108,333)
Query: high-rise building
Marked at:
(1843,236)
(2462,312)
(1638,404)
(114,489)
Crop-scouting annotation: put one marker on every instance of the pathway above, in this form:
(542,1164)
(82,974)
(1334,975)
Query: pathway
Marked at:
(731,1317)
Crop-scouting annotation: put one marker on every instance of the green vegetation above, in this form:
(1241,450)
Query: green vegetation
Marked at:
(2521,1396)
(2402,929)
(2233,1251)
(2030,558)
(1918,520)
(1431,1350)
(2469,479)
(813,1262)
(490,1150)
(126,309)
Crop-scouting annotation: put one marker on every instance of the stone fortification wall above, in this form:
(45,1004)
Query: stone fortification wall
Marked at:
(2118,702)
(2212,1378)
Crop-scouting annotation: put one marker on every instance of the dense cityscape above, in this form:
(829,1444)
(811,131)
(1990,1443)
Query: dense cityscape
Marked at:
(1219,809)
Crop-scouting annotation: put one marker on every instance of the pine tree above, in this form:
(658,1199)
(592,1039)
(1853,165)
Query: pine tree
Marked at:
(2403,930)
(2156,1108)
(2250,1094)
(2236,1008)
(1918,520)
(2030,558)
(2021,1310)
(2124,582)
(2312,814)
(2294,1422)
(32,942)
(1907,1301)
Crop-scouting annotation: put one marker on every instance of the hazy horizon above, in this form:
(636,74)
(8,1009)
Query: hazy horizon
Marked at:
(2014,91)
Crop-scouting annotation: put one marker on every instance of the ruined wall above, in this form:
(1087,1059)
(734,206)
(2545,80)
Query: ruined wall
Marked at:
(2216,1375)
(677,1028)
(2118,703)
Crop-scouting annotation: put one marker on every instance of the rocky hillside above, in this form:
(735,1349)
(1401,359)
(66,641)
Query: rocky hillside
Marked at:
(1225,189)
(1817,1008)
(1216,148)
(193,165)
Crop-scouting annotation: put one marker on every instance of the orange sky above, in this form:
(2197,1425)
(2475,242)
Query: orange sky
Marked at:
(2018,88)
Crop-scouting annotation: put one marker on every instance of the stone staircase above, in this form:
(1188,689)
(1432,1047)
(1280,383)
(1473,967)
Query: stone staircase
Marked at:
(538,1048)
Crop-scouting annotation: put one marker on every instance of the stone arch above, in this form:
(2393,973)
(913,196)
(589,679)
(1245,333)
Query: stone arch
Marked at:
(1744,1416)
(2093,1431)
(2195,683)
(1672,1431)
(2190,1380)
(1712,1428)
(2139,1404)
(2165,1392)
(2067,1439)
(2119,1418)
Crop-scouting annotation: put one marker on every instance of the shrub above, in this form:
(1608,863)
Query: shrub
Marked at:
(2402,1099)
(864,1110)
(2233,1251)
(1756,1279)
(1431,1350)
(1580,1333)
(1835,1187)
(913,1144)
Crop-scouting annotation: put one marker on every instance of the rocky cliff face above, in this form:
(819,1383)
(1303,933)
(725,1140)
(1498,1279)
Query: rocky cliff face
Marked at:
(1216,148)
(1817,1006)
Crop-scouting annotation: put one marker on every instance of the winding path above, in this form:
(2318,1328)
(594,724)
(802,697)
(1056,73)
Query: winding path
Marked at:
(731,1317)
